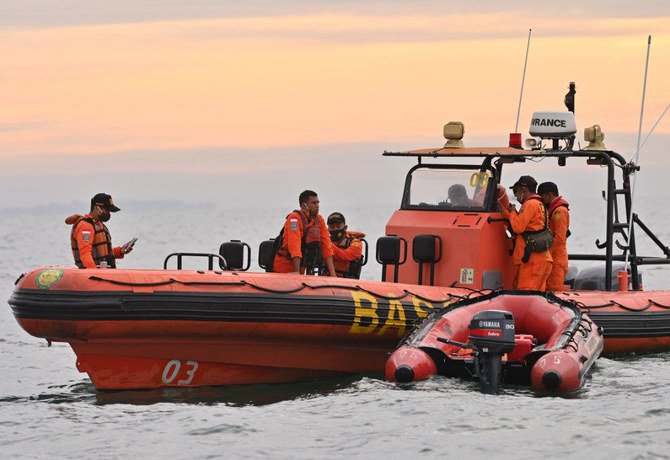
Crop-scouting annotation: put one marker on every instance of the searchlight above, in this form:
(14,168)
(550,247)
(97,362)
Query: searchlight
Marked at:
(595,137)
(453,133)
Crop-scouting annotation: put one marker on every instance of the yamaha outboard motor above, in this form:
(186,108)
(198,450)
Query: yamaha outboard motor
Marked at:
(491,336)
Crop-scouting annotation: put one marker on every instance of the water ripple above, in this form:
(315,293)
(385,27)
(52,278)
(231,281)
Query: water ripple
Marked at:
(223,428)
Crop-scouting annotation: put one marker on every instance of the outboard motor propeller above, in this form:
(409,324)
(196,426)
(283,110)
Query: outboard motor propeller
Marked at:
(491,336)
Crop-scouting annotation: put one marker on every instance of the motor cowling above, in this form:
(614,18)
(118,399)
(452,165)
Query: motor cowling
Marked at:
(492,331)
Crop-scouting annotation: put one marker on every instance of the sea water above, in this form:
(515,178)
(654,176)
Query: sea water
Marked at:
(49,409)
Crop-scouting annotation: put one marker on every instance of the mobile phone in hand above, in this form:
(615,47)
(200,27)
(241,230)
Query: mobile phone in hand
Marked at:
(129,245)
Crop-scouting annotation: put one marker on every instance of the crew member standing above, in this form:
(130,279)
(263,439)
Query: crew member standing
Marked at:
(347,247)
(534,267)
(90,239)
(559,223)
(305,234)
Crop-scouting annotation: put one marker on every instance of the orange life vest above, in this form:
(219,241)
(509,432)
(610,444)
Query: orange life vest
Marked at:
(554,205)
(310,242)
(347,269)
(102,244)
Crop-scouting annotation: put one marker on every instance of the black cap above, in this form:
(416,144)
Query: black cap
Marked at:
(104,200)
(547,187)
(336,217)
(526,181)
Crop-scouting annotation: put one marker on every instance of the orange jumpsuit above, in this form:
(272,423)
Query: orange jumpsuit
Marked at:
(533,274)
(82,236)
(343,255)
(292,240)
(559,222)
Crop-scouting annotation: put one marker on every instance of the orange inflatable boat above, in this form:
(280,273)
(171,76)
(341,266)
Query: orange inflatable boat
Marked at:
(521,337)
(152,328)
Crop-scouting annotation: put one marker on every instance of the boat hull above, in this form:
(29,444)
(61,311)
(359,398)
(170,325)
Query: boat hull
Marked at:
(115,366)
(632,321)
(133,328)
(149,329)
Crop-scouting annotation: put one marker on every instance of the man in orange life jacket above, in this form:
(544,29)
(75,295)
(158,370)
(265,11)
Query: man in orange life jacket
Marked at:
(347,247)
(90,239)
(305,233)
(559,223)
(534,267)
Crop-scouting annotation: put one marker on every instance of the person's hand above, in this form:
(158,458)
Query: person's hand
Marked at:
(126,248)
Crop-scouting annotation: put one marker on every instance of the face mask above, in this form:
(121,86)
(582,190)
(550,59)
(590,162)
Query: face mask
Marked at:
(337,235)
(519,197)
(105,215)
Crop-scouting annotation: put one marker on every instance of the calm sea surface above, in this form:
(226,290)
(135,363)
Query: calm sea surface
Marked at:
(49,409)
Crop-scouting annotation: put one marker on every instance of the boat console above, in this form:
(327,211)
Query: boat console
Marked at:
(451,195)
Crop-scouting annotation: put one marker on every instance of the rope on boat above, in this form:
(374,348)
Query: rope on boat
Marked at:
(448,299)
(219,283)
(612,303)
(126,283)
(584,326)
(653,302)
(624,307)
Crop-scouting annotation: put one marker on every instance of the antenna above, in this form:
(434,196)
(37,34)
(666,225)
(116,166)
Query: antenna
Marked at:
(523,80)
(644,92)
(654,127)
(636,156)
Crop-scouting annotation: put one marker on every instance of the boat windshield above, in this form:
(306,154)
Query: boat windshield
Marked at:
(442,189)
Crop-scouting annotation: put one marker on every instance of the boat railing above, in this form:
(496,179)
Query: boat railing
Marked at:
(210,259)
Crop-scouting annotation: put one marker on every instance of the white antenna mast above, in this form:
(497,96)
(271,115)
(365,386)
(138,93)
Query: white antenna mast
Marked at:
(654,127)
(637,152)
(523,80)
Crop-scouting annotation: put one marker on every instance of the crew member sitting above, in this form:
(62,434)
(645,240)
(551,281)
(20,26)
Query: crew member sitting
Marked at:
(90,239)
(533,238)
(457,196)
(305,234)
(347,247)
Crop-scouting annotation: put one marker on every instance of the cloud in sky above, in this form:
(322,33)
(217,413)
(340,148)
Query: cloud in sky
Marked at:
(58,13)
(23,126)
(250,91)
(256,82)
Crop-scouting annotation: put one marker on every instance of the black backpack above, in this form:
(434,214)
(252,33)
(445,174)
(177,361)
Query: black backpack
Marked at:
(269,265)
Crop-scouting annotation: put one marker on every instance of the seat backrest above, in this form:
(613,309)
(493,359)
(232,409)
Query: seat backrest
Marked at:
(266,254)
(234,252)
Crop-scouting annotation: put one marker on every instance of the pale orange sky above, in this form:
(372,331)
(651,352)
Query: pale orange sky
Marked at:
(317,78)
(255,101)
